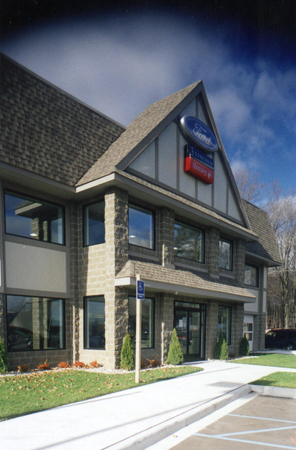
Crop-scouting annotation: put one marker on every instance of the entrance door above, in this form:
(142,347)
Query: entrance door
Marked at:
(189,323)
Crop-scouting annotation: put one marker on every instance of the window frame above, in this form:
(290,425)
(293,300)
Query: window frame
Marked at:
(86,299)
(148,212)
(252,266)
(226,241)
(85,223)
(193,228)
(229,324)
(34,199)
(152,299)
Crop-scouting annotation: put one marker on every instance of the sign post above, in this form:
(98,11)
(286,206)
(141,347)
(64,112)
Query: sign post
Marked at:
(140,297)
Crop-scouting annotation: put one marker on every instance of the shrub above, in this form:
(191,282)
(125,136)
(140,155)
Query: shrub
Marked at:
(23,368)
(175,355)
(244,348)
(221,348)
(3,358)
(144,363)
(94,364)
(127,357)
(44,366)
(153,362)
(63,365)
(78,364)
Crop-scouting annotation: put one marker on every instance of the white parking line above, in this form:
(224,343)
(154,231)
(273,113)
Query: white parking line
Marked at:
(262,418)
(243,441)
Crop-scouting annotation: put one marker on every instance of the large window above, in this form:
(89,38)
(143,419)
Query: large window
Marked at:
(224,322)
(251,275)
(94,322)
(141,227)
(35,323)
(34,219)
(225,254)
(147,321)
(189,242)
(94,224)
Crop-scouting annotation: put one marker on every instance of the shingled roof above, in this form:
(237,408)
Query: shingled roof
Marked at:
(136,132)
(46,131)
(266,246)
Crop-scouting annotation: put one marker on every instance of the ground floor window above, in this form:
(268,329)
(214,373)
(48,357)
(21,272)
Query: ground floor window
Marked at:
(147,321)
(35,323)
(224,322)
(94,322)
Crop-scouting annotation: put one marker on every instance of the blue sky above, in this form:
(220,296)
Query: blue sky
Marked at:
(121,60)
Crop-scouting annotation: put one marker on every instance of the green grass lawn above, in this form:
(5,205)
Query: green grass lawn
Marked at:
(34,392)
(280,379)
(270,359)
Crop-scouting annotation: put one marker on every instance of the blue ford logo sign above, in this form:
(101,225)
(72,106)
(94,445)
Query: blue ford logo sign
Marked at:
(198,133)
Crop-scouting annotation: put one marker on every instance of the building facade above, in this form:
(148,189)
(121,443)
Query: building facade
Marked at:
(88,205)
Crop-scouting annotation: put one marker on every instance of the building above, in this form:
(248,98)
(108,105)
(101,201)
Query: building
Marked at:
(88,204)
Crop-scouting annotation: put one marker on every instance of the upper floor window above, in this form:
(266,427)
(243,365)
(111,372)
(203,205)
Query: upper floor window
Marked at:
(94,224)
(141,227)
(189,242)
(251,275)
(34,219)
(225,254)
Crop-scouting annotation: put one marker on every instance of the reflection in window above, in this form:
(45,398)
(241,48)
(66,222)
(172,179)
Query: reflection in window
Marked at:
(34,219)
(189,242)
(94,224)
(141,227)
(224,322)
(147,321)
(34,323)
(225,253)
(251,275)
(94,322)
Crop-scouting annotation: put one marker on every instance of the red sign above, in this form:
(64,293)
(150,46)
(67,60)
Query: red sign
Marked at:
(198,170)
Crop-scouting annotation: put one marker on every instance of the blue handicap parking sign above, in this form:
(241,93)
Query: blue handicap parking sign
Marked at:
(140,290)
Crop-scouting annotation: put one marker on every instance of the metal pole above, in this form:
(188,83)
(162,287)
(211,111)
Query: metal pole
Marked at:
(138,334)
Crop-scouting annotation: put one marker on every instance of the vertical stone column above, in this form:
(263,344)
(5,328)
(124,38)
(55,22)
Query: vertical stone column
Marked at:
(167,318)
(2,319)
(237,326)
(239,261)
(213,252)
(211,328)
(167,222)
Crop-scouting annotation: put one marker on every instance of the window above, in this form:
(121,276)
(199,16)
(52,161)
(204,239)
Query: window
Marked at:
(251,275)
(224,322)
(94,224)
(189,242)
(94,322)
(225,252)
(147,321)
(141,227)
(34,323)
(34,219)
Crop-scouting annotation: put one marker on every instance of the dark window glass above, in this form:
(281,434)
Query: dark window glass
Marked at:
(224,322)
(94,224)
(147,321)
(94,322)
(251,275)
(189,242)
(34,323)
(141,227)
(34,219)
(225,252)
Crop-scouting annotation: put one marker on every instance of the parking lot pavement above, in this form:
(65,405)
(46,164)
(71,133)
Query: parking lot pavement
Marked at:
(262,422)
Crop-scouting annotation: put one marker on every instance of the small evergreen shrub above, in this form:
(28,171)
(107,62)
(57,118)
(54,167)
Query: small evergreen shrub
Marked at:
(3,358)
(244,348)
(175,355)
(127,358)
(224,351)
(221,348)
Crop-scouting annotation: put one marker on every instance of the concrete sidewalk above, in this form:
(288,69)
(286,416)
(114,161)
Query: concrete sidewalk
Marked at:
(135,418)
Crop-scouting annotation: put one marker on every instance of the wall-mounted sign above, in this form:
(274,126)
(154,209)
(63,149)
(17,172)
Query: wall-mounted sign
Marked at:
(198,134)
(198,164)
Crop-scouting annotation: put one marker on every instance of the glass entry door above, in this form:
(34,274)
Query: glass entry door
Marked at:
(189,323)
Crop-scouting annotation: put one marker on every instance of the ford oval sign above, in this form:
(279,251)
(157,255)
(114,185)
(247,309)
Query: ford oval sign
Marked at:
(198,133)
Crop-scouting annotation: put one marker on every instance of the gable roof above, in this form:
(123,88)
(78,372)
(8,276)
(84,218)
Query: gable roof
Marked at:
(266,246)
(46,131)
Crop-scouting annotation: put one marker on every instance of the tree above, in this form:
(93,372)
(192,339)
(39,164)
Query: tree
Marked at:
(3,358)
(175,355)
(127,360)
(249,185)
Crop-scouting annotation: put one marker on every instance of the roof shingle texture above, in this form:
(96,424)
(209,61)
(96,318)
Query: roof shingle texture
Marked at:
(46,131)
(266,246)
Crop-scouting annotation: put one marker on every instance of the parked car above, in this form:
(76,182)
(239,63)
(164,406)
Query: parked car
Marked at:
(281,338)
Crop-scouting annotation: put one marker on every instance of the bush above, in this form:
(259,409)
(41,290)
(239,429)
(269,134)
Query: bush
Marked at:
(153,362)
(3,358)
(244,348)
(23,368)
(78,364)
(175,355)
(127,357)
(94,364)
(63,365)
(221,348)
(44,366)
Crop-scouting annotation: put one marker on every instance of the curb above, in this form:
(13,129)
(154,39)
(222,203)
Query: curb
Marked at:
(158,432)
(274,391)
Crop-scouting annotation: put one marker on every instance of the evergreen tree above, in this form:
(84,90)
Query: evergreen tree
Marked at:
(221,348)
(244,348)
(3,358)
(127,360)
(175,355)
